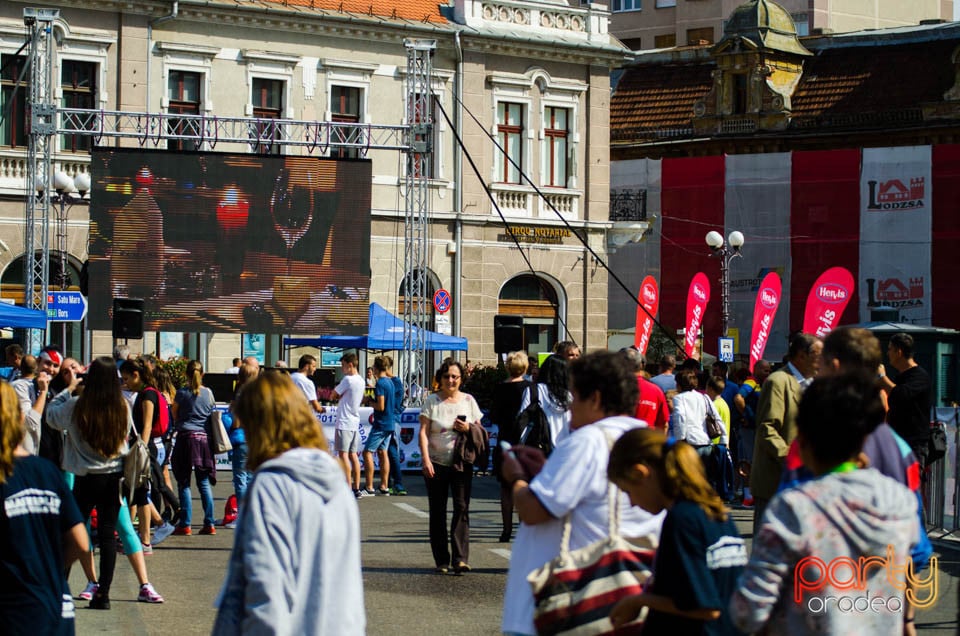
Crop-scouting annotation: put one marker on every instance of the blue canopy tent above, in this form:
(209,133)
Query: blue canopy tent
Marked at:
(384,333)
(14,316)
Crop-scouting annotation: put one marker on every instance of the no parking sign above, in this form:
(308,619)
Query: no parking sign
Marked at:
(441,301)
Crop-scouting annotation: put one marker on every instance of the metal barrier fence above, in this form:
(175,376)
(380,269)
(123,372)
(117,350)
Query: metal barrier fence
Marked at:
(941,496)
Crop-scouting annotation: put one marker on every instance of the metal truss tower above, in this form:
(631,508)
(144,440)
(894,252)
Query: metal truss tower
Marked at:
(414,139)
(42,122)
(419,152)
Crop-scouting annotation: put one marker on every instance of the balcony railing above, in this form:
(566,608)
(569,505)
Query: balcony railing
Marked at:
(628,206)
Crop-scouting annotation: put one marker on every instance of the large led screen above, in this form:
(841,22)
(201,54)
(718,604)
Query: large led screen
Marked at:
(227,242)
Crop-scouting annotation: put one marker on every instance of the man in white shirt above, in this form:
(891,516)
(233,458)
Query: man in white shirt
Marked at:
(347,438)
(302,378)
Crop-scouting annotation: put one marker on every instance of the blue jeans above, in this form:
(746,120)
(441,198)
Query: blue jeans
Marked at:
(206,498)
(241,476)
(393,454)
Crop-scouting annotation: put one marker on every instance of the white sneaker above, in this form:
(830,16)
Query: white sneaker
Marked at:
(162,533)
(88,591)
(148,594)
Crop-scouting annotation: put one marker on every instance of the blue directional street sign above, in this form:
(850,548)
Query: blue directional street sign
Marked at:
(66,306)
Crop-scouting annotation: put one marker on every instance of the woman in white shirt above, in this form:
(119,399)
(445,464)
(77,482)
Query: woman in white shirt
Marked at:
(444,417)
(690,408)
(552,390)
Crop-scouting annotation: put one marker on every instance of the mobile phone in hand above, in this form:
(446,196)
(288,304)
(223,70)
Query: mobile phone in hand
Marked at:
(507,449)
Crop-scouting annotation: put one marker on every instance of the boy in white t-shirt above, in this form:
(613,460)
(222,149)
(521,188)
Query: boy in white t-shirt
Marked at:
(347,438)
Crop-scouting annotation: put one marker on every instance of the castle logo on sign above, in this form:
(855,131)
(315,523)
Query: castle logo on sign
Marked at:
(894,195)
(893,292)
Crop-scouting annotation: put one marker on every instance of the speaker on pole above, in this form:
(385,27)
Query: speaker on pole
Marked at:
(128,318)
(507,334)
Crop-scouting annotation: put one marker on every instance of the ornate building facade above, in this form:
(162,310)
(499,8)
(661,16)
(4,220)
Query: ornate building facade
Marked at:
(532,75)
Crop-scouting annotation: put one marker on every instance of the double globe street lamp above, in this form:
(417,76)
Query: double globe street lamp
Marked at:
(726,252)
(69,190)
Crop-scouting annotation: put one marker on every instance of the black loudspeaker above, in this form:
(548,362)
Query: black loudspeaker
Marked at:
(128,318)
(507,334)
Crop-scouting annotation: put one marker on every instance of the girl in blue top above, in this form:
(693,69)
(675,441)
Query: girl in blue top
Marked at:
(701,553)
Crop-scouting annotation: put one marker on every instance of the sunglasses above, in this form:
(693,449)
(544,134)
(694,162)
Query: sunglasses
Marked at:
(451,377)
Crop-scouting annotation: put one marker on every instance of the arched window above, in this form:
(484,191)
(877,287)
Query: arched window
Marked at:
(67,335)
(538,301)
(433,284)
(12,279)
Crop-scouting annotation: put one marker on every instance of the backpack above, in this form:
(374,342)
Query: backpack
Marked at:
(533,422)
(937,444)
(230,510)
(163,422)
(720,472)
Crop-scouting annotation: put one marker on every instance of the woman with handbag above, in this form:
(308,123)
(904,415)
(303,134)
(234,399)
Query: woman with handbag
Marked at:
(192,453)
(553,393)
(147,407)
(572,489)
(97,423)
(506,405)
(128,538)
(700,555)
(691,412)
(444,417)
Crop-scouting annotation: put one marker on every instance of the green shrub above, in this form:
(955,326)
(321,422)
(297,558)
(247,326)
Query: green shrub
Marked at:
(481,382)
(177,368)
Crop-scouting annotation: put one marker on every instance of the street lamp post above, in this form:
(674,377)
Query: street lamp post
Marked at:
(726,252)
(66,188)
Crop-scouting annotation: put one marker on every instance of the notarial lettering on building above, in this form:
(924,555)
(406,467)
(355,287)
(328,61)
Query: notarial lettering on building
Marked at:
(533,234)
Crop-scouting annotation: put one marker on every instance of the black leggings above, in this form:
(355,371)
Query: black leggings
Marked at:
(158,484)
(102,492)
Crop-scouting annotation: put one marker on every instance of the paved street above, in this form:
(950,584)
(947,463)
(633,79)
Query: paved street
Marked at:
(402,595)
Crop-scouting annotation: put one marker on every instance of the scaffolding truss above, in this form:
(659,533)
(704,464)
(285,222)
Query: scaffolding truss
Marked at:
(418,141)
(155,129)
(258,135)
(42,121)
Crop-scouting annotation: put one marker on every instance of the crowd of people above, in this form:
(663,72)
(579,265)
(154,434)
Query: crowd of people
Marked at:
(830,454)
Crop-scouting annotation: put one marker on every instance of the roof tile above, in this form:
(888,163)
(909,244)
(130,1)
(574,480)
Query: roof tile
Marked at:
(841,86)
(419,10)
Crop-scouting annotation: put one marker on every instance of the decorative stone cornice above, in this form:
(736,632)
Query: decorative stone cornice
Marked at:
(533,42)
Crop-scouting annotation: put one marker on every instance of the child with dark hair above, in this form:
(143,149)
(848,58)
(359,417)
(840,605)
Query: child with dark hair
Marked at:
(825,547)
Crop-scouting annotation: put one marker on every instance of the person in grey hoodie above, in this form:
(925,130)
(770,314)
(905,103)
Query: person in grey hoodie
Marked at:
(832,555)
(295,565)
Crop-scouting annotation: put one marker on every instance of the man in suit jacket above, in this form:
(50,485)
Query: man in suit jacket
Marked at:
(777,418)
